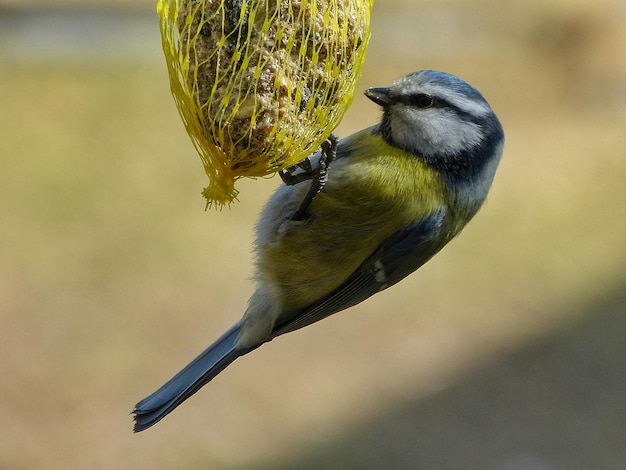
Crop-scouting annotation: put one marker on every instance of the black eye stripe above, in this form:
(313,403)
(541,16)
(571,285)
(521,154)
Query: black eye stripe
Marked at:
(424,101)
(421,100)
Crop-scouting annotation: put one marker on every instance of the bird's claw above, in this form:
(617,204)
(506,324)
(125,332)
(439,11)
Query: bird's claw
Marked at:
(318,175)
(288,176)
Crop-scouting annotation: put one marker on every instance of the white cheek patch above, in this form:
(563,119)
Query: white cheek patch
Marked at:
(448,132)
(433,132)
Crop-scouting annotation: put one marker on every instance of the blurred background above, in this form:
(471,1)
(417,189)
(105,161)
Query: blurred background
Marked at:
(507,351)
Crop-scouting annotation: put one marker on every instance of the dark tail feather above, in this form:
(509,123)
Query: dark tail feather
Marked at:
(188,381)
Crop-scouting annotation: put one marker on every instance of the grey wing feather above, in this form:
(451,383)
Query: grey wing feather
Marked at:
(397,257)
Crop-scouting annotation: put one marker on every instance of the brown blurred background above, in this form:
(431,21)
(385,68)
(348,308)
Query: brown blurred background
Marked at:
(505,352)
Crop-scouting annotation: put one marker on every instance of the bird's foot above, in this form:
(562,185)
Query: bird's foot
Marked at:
(318,175)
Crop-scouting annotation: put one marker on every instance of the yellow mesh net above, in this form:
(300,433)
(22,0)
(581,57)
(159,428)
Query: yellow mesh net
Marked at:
(260,84)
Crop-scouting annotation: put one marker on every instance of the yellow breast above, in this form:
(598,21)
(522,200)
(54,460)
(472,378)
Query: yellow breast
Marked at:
(372,192)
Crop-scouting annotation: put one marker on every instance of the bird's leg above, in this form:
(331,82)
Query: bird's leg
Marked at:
(329,150)
(318,176)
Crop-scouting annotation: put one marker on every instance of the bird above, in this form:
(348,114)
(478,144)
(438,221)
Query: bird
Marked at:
(394,195)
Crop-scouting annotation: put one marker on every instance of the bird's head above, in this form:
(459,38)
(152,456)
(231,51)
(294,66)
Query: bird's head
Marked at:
(442,119)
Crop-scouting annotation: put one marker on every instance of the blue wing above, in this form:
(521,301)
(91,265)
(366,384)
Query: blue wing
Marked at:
(397,257)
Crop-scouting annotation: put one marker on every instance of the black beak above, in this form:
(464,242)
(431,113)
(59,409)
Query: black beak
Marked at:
(379,96)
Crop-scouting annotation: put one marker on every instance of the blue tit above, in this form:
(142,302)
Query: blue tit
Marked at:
(395,194)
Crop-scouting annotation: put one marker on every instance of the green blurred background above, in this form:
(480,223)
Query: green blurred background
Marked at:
(507,351)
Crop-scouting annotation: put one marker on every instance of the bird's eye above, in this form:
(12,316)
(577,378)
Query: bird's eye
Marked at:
(423,101)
